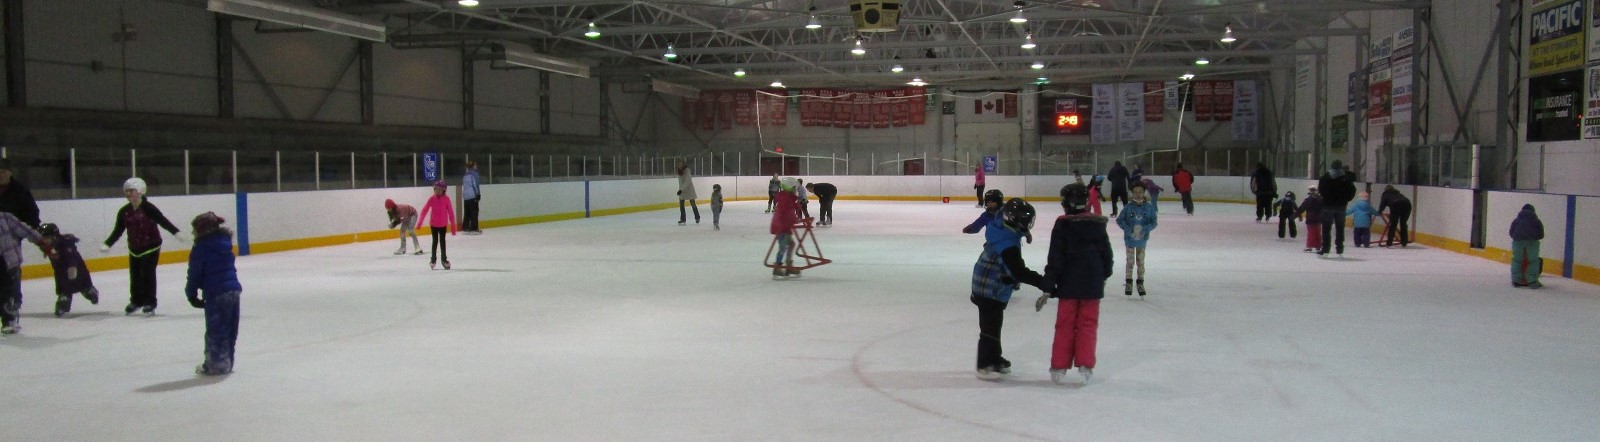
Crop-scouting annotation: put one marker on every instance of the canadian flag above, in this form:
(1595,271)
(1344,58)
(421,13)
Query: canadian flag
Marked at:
(987,106)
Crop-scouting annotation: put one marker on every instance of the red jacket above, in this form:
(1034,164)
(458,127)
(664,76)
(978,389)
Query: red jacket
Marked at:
(785,212)
(1181,180)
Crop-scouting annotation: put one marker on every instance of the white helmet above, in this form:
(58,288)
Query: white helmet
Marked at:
(135,184)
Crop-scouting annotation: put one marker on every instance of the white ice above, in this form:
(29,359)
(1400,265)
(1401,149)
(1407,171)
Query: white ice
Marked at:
(632,328)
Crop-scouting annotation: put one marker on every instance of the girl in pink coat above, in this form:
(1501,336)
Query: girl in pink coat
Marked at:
(438,213)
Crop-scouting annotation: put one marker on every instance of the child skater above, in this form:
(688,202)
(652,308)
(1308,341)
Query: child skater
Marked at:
(1311,210)
(1287,215)
(1154,190)
(1361,213)
(716,207)
(444,215)
(405,217)
(785,213)
(1137,219)
(212,274)
(12,232)
(1094,193)
(72,275)
(803,197)
(995,276)
(1526,232)
(140,219)
(1080,263)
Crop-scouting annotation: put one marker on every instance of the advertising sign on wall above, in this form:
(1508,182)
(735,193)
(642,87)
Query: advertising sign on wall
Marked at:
(1594,31)
(430,166)
(1554,106)
(1339,133)
(1591,118)
(1379,87)
(1555,37)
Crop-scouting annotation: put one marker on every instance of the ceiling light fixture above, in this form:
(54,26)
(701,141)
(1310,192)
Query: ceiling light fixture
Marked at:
(1027,43)
(1019,19)
(917,81)
(467,3)
(520,55)
(778,83)
(1227,34)
(1037,65)
(739,72)
(897,69)
(813,23)
(858,49)
(593,32)
(1202,61)
(302,16)
(1186,76)
(672,53)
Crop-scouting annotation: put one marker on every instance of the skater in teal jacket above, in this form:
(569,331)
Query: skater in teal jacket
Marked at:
(1137,220)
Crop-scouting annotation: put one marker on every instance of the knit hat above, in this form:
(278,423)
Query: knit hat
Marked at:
(439,184)
(388,204)
(206,223)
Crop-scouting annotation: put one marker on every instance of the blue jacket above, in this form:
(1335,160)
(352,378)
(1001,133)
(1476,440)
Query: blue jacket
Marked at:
(1527,226)
(1138,214)
(1001,258)
(469,185)
(1361,213)
(211,268)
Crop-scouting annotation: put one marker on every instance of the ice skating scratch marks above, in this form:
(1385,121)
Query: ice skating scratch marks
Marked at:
(855,368)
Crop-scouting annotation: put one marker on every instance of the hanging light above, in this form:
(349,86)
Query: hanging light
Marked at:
(897,69)
(778,83)
(1027,43)
(1037,65)
(1019,19)
(858,49)
(467,3)
(672,53)
(813,23)
(1202,61)
(739,72)
(1227,34)
(593,32)
(1186,76)
(917,81)
(1042,80)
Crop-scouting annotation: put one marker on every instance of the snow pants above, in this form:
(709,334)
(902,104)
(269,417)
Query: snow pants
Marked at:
(1077,326)
(222,330)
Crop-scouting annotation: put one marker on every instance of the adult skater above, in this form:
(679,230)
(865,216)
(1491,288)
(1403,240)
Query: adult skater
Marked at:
(1338,188)
(1183,183)
(470,195)
(997,273)
(1080,262)
(686,193)
(15,198)
(1265,188)
(825,193)
(1399,219)
(212,274)
(141,219)
(1118,177)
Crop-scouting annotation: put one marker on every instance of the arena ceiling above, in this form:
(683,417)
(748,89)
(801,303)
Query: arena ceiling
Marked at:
(944,42)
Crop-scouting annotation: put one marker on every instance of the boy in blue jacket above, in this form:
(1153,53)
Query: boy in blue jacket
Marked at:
(1361,213)
(211,273)
(997,273)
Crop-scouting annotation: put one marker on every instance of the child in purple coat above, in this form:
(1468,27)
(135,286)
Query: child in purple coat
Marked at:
(72,275)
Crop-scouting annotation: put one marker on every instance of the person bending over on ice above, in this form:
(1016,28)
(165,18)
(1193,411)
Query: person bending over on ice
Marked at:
(997,273)
(1136,220)
(1080,262)
(405,217)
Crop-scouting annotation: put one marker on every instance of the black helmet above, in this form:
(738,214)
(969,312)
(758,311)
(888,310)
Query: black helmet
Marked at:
(1018,214)
(1075,197)
(994,196)
(49,229)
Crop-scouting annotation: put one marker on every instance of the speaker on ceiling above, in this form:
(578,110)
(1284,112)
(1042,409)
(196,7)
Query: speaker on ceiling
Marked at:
(875,15)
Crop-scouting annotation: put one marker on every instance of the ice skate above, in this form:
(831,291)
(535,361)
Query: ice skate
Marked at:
(1004,367)
(419,252)
(10,329)
(447,264)
(989,374)
(150,310)
(401,250)
(93,295)
(1086,372)
(1535,284)
(63,305)
(681,223)
(128,311)
(432,264)
(792,272)
(1127,287)
(1059,375)
(1141,288)
(778,274)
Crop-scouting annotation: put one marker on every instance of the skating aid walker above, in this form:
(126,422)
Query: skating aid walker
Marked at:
(801,232)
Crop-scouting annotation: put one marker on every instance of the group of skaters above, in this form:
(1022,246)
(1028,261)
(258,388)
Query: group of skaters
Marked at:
(212,282)
(1328,206)
(439,214)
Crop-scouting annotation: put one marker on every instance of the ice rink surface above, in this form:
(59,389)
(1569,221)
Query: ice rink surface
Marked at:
(629,328)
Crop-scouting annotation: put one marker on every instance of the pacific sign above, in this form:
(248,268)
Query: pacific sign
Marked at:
(1558,22)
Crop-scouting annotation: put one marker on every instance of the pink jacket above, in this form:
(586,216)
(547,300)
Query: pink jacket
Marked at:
(979,176)
(443,213)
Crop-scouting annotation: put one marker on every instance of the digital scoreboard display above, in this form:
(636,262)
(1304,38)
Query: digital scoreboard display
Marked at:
(1064,115)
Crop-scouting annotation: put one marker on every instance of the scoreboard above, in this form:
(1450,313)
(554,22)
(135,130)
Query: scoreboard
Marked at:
(1064,115)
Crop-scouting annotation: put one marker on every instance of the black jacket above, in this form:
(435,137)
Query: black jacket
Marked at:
(1337,192)
(18,200)
(1393,199)
(1263,183)
(824,190)
(1080,258)
(1118,177)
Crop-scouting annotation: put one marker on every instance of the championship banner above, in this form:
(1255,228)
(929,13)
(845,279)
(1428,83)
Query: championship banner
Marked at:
(1202,100)
(1222,100)
(882,110)
(1172,94)
(1103,121)
(862,112)
(1246,120)
(774,105)
(744,108)
(1555,37)
(1154,101)
(1591,117)
(1130,115)
(919,106)
(843,108)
